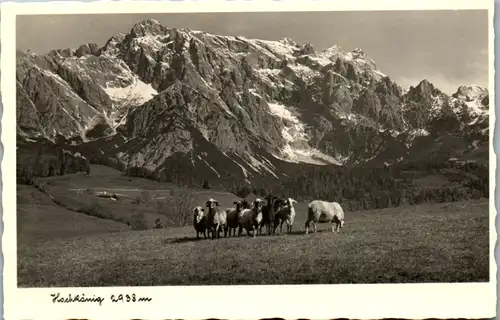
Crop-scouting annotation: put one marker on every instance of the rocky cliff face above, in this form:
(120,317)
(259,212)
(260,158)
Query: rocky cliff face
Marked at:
(237,107)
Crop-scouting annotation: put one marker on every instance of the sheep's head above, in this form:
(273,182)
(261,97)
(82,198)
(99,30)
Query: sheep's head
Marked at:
(270,199)
(198,213)
(238,204)
(212,203)
(290,202)
(258,203)
(246,204)
(279,203)
(341,223)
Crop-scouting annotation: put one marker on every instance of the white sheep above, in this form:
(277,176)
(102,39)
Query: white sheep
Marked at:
(217,218)
(323,212)
(286,214)
(251,219)
(200,222)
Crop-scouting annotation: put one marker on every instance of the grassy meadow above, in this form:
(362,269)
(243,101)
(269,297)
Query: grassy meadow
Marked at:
(74,239)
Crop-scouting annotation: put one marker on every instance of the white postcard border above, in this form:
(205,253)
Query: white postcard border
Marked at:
(470,300)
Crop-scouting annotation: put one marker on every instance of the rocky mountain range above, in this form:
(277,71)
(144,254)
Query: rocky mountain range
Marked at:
(170,101)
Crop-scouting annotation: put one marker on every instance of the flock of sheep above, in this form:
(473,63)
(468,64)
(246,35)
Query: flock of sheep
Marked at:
(271,212)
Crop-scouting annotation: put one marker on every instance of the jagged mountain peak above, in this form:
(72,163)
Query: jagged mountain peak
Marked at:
(148,22)
(470,92)
(148,27)
(288,41)
(424,88)
(358,51)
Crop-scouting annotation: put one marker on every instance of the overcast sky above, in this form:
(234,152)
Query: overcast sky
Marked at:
(448,48)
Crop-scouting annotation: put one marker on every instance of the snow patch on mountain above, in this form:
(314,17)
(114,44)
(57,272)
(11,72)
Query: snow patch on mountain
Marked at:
(154,42)
(380,74)
(254,92)
(470,92)
(296,148)
(257,165)
(333,53)
(137,93)
(304,72)
(254,164)
(475,107)
(208,165)
(279,49)
(246,174)
(322,61)
(419,133)
(269,76)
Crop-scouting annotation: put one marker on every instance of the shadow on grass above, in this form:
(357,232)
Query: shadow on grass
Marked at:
(303,233)
(184,240)
(243,235)
(194,239)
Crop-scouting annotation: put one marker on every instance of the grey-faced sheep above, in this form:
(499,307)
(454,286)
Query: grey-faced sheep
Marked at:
(319,211)
(251,219)
(286,214)
(200,222)
(217,218)
(232,217)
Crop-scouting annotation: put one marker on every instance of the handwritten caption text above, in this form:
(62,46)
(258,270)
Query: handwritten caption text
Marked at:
(114,298)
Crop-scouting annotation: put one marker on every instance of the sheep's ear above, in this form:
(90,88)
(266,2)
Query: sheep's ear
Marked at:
(202,209)
(208,203)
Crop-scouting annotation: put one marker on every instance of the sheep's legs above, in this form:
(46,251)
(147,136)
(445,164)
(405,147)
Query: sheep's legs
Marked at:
(335,227)
(255,230)
(276,223)
(205,233)
(306,226)
(315,227)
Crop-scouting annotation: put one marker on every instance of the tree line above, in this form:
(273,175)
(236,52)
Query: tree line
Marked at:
(361,188)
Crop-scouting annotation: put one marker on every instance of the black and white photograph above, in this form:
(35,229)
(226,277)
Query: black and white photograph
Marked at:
(249,148)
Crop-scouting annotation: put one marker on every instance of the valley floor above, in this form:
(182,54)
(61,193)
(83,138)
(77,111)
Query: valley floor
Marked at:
(427,243)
